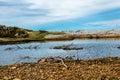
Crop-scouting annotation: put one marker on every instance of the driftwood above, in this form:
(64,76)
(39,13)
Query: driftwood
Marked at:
(12,48)
(53,59)
(67,47)
(118,47)
(64,64)
(50,59)
(21,58)
(18,47)
(9,48)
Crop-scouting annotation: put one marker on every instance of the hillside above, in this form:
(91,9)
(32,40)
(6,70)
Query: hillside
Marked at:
(12,32)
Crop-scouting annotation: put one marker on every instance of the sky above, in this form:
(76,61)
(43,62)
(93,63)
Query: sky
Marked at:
(60,15)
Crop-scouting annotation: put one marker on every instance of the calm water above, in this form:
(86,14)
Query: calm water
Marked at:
(91,49)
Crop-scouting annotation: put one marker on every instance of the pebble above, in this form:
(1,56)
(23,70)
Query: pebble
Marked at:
(13,67)
(16,79)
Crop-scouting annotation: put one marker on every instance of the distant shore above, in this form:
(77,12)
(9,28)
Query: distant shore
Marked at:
(66,35)
(81,34)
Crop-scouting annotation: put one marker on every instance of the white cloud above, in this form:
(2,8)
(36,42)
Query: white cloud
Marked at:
(72,8)
(55,10)
(108,23)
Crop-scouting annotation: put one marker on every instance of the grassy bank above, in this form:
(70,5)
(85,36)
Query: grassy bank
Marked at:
(96,69)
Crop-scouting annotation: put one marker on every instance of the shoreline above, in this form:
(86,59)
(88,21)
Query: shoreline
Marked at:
(93,69)
(51,40)
(18,41)
(68,35)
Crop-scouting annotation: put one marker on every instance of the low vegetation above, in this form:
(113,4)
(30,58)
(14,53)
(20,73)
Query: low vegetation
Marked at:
(12,32)
(38,34)
(97,69)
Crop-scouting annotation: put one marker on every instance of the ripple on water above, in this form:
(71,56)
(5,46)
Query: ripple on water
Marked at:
(91,49)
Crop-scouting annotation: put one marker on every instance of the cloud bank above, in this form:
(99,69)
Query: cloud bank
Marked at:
(32,12)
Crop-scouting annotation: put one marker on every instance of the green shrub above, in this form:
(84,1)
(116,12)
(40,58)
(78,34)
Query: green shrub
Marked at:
(12,32)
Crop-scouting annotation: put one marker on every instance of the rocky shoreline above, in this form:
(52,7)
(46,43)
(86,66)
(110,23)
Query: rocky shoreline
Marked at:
(96,69)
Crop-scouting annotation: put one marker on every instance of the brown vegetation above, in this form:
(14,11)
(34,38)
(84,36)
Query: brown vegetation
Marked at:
(97,69)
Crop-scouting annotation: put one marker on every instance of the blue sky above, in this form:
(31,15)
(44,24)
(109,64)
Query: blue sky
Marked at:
(61,14)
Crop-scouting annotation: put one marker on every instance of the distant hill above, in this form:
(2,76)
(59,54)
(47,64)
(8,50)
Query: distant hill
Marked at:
(13,32)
